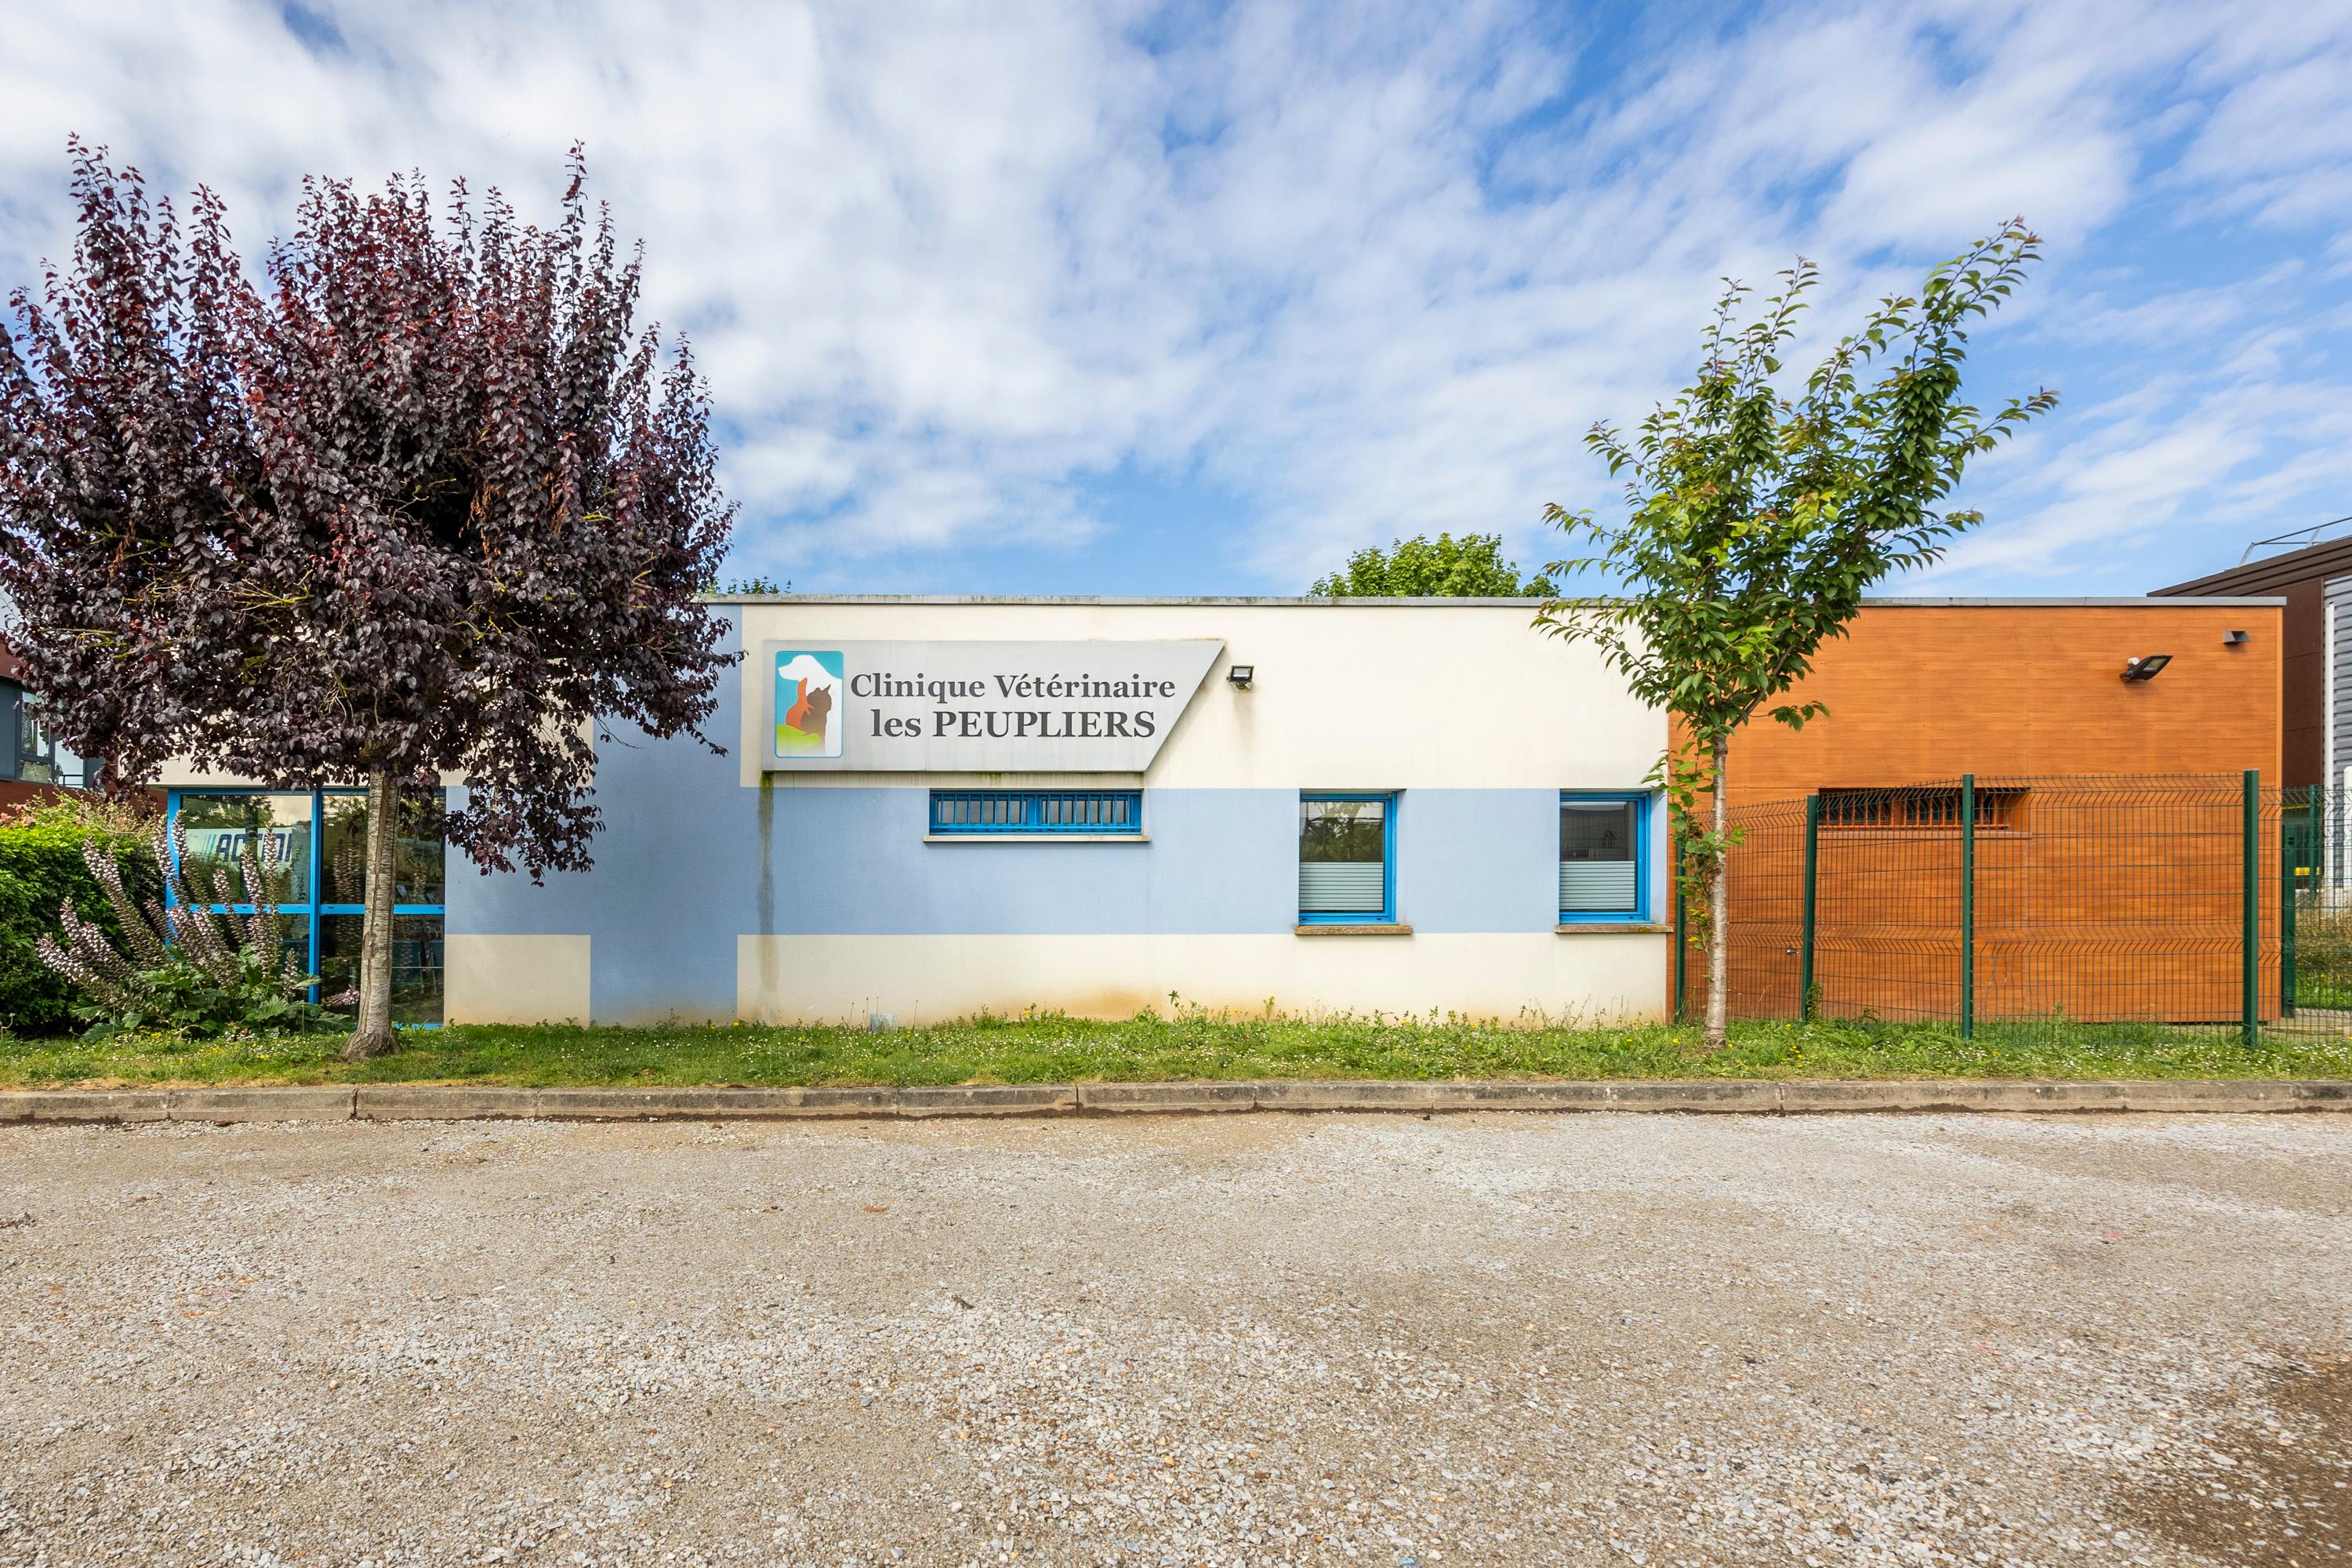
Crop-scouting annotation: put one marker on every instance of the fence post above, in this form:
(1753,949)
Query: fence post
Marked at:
(1682,940)
(1968,906)
(1811,896)
(2250,933)
(2292,847)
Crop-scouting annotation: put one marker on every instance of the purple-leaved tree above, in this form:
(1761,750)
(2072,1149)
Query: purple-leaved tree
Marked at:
(416,498)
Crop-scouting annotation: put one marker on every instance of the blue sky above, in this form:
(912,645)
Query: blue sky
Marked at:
(1127,299)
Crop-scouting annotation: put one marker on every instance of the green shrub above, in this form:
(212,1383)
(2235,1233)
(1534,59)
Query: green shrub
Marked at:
(41,867)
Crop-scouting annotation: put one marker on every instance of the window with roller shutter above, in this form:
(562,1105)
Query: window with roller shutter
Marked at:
(1603,856)
(1346,858)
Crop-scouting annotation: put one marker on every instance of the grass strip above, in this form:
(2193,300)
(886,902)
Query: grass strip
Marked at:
(1054,1049)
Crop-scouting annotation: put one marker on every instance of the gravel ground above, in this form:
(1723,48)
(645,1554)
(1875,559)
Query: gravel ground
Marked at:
(1497,1340)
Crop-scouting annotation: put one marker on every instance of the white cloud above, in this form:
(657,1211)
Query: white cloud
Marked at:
(2211,463)
(1367,271)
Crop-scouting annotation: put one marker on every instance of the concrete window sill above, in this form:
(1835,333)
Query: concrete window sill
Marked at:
(1350,927)
(1036,838)
(1612,928)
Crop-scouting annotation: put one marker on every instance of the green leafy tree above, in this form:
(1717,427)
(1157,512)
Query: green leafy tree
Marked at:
(1470,567)
(1759,517)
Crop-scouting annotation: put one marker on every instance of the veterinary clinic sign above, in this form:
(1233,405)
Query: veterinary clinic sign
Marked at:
(977,707)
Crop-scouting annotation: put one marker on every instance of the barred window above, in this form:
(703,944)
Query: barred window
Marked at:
(1929,808)
(978,813)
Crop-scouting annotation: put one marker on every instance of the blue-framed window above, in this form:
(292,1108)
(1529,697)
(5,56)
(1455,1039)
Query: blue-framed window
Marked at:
(1346,859)
(1604,855)
(313,847)
(978,813)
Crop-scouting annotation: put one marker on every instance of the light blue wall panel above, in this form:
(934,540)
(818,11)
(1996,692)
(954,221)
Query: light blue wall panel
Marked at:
(656,904)
(1477,859)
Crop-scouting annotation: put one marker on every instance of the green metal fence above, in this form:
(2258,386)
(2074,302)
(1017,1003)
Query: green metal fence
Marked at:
(2012,905)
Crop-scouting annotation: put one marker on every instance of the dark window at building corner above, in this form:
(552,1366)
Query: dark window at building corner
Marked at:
(12,706)
(28,752)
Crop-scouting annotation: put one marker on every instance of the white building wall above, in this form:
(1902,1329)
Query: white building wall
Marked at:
(1518,977)
(1356,694)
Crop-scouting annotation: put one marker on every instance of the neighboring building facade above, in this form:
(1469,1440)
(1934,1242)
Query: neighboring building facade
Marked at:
(2315,685)
(2109,855)
(32,764)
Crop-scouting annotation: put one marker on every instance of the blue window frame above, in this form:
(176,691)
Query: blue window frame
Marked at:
(310,837)
(1604,855)
(1346,858)
(978,813)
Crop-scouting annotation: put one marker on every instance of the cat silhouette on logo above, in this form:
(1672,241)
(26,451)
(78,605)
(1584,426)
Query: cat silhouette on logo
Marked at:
(809,709)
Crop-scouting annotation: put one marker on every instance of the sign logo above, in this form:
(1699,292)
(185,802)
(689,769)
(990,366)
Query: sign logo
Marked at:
(1076,706)
(272,846)
(809,711)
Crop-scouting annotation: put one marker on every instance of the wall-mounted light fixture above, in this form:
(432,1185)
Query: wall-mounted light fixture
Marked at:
(2236,639)
(1241,675)
(2147,666)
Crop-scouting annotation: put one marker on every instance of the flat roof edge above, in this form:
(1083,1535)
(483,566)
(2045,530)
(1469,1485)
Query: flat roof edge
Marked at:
(2136,602)
(2144,601)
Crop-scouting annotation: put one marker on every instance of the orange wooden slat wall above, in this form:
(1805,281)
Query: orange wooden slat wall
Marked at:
(2100,903)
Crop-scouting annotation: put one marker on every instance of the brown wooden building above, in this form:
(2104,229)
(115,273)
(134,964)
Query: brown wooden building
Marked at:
(2313,627)
(2109,847)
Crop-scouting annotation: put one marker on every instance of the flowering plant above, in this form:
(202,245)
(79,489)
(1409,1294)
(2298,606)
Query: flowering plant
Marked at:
(190,967)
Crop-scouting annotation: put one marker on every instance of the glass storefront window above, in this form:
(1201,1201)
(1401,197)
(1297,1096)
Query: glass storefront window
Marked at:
(416,864)
(318,841)
(220,828)
(415,965)
(293,939)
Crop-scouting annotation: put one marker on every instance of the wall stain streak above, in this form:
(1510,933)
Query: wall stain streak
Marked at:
(769,973)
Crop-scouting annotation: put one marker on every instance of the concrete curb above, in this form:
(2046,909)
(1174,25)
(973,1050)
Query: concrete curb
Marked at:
(327,1103)
(464,1103)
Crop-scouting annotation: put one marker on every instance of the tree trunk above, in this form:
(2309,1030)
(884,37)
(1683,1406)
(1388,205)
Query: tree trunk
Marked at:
(1718,912)
(373,1037)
